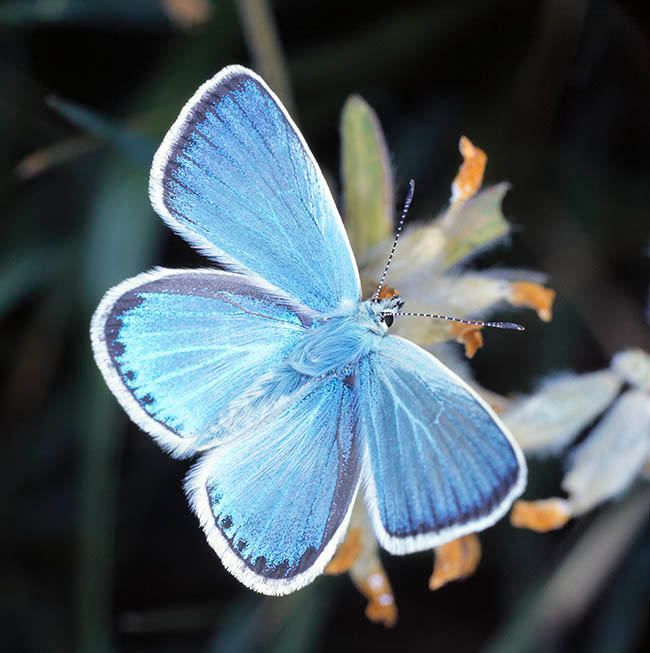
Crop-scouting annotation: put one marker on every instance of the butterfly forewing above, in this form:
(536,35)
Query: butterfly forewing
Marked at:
(236,179)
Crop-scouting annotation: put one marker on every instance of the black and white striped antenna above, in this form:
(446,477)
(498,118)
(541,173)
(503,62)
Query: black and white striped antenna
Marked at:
(496,325)
(375,297)
(407,203)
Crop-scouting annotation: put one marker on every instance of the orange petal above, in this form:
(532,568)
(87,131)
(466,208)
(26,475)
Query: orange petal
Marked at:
(470,174)
(347,553)
(381,606)
(541,516)
(370,579)
(469,335)
(367,572)
(527,293)
(387,292)
(456,559)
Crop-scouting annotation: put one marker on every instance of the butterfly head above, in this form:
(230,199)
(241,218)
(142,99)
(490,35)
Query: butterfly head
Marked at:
(383,311)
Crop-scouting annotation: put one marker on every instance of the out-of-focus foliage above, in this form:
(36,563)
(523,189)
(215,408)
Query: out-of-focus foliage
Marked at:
(368,180)
(99,551)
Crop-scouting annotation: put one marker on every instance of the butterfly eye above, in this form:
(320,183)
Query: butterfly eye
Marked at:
(387,319)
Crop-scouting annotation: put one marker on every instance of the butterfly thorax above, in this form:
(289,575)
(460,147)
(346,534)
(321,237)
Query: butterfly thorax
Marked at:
(337,341)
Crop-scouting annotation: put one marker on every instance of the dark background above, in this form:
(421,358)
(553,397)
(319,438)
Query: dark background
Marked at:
(99,549)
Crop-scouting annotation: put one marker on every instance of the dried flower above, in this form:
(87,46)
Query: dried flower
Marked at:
(359,555)
(456,559)
(428,275)
(427,270)
(612,456)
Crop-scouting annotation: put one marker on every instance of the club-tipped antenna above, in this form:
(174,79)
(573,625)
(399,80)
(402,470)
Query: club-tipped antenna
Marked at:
(407,204)
(496,325)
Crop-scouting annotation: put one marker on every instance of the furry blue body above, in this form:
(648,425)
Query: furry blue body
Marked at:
(336,342)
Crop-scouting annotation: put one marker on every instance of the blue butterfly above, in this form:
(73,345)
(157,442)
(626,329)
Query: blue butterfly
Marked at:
(276,373)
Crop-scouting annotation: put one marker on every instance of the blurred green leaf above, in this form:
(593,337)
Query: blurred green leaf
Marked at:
(124,232)
(367,181)
(308,613)
(623,618)
(124,139)
(289,624)
(237,629)
(558,600)
(26,271)
(101,426)
(28,12)
(264,44)
(121,240)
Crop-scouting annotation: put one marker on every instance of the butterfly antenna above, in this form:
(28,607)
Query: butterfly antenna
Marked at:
(496,325)
(407,204)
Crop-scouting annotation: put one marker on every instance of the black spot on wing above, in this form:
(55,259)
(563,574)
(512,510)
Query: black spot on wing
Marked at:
(114,324)
(281,571)
(350,381)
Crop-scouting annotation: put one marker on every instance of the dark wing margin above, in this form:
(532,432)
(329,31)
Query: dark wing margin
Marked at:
(276,504)
(442,464)
(235,178)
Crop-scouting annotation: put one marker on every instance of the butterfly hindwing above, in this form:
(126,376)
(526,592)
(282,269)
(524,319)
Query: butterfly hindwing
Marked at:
(177,346)
(275,500)
(441,463)
(236,179)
